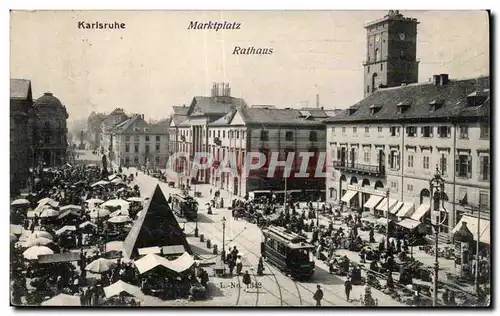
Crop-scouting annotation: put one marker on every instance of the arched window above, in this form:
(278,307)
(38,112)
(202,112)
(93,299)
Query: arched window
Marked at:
(379,185)
(343,178)
(365,183)
(47,132)
(374,81)
(425,196)
(354,180)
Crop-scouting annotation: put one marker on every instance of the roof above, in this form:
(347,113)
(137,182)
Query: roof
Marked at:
(48,99)
(180,110)
(20,89)
(161,127)
(420,96)
(112,116)
(225,120)
(156,226)
(273,116)
(213,105)
(178,119)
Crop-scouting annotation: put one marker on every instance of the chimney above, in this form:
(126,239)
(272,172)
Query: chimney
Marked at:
(444,79)
(317,101)
(436,80)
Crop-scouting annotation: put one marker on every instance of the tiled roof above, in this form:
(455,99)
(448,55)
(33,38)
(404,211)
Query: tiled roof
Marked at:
(453,97)
(161,127)
(182,110)
(20,89)
(275,117)
(213,105)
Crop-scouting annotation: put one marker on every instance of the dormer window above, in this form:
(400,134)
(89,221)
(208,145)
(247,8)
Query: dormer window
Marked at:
(351,111)
(436,104)
(477,98)
(403,106)
(375,108)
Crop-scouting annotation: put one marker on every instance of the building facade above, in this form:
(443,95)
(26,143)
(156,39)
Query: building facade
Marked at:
(94,123)
(21,106)
(138,143)
(106,136)
(179,116)
(396,138)
(274,132)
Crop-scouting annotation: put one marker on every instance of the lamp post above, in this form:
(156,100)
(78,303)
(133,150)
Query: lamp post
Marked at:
(436,185)
(387,217)
(223,252)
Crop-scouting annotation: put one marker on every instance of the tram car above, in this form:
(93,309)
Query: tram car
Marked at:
(289,252)
(185,206)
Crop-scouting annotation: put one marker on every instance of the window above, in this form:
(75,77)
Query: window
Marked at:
(367,129)
(443,164)
(354,129)
(223,134)
(157,147)
(426,131)
(381,67)
(264,135)
(463,165)
(127,148)
(237,134)
(444,131)
(146,149)
(484,131)
(464,131)
(379,129)
(136,159)
(367,89)
(409,187)
(394,131)
(411,131)
(484,200)
(343,130)
(410,161)
(242,134)
(289,136)
(127,138)
(394,160)
(367,156)
(394,185)
(313,136)
(147,138)
(333,130)
(157,138)
(377,54)
(157,159)
(137,138)
(426,162)
(484,168)
(368,71)
(136,148)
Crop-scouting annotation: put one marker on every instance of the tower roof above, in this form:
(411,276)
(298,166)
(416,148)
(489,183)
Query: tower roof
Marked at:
(157,226)
(48,99)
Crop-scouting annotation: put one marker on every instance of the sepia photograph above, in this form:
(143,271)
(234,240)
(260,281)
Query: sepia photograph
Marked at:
(319,159)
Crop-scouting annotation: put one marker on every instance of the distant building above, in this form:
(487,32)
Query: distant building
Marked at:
(138,143)
(94,123)
(21,106)
(179,116)
(49,131)
(110,121)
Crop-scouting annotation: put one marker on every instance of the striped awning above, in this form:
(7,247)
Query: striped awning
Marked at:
(348,196)
(373,201)
(420,212)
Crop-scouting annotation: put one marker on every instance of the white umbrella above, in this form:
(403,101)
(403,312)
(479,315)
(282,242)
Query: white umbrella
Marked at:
(40,241)
(20,202)
(41,233)
(102,182)
(100,212)
(100,265)
(65,228)
(136,199)
(49,213)
(119,219)
(123,212)
(33,252)
(115,202)
(63,300)
(48,201)
(120,287)
(111,177)
(114,246)
(94,201)
(71,207)
(117,181)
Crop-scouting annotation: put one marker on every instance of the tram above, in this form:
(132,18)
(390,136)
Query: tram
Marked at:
(185,206)
(289,252)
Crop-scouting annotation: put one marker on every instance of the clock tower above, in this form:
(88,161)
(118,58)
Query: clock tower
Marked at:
(391,52)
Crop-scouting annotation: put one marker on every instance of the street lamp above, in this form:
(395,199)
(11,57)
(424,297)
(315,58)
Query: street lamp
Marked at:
(223,252)
(436,185)
(387,217)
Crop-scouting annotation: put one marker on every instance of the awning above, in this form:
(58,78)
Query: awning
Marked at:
(348,196)
(122,287)
(149,262)
(173,250)
(373,201)
(409,223)
(405,209)
(149,250)
(484,228)
(396,208)
(59,257)
(16,229)
(182,263)
(420,212)
(382,221)
(383,205)
(462,198)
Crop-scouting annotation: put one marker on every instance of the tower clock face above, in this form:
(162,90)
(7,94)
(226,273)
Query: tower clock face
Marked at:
(402,36)
(377,38)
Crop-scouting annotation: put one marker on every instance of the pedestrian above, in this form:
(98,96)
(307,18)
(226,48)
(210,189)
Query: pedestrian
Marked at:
(246,280)
(239,265)
(348,288)
(318,296)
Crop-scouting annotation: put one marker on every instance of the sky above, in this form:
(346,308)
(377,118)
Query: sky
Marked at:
(157,62)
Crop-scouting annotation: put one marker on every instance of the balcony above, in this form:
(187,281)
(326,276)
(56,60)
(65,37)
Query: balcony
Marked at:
(376,171)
